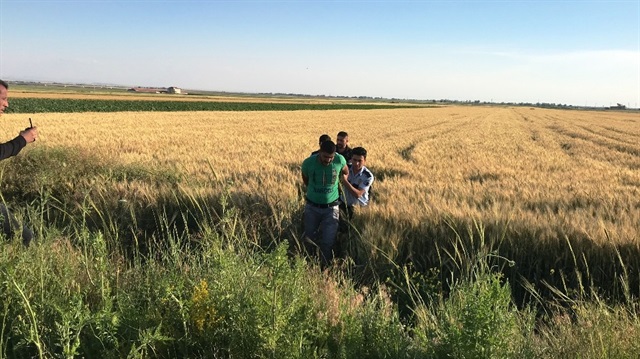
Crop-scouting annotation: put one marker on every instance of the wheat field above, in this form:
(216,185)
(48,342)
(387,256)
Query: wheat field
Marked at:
(172,232)
(536,178)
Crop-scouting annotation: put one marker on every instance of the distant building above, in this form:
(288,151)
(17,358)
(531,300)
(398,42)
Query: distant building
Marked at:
(618,106)
(172,89)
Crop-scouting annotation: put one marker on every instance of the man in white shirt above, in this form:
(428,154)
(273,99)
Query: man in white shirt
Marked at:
(359,180)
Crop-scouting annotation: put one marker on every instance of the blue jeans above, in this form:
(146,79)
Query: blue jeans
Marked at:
(321,227)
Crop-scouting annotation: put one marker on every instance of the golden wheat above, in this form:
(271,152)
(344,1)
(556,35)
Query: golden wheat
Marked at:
(551,172)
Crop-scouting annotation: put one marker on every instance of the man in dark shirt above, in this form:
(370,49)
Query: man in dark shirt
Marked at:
(342,146)
(322,138)
(9,149)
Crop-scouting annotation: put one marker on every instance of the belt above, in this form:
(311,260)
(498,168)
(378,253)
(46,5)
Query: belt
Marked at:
(320,205)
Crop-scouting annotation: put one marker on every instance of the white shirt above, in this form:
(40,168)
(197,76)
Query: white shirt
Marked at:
(361,180)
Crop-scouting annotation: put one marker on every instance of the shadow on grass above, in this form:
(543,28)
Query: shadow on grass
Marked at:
(561,267)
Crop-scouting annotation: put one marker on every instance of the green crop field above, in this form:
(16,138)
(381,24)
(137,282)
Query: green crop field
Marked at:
(48,105)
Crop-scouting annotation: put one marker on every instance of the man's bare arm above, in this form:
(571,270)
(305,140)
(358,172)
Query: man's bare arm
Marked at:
(356,192)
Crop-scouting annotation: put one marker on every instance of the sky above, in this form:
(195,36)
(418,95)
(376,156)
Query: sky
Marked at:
(581,53)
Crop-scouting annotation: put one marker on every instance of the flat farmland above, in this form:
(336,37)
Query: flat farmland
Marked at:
(168,212)
(539,174)
(59,92)
(550,171)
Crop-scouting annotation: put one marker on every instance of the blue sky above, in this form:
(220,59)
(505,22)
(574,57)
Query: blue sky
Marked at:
(569,52)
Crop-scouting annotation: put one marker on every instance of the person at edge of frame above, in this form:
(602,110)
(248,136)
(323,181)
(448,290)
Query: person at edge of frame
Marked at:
(342,146)
(322,138)
(10,149)
(321,174)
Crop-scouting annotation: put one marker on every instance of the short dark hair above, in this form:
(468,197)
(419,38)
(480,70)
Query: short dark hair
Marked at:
(323,138)
(328,147)
(4,84)
(359,151)
(343,134)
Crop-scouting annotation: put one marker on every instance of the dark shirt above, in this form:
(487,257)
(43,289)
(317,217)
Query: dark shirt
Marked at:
(347,154)
(12,148)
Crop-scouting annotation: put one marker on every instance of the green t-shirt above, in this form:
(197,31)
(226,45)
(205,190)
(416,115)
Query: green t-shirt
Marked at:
(323,180)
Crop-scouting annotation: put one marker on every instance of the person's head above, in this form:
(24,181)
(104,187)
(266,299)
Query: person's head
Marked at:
(358,158)
(327,152)
(342,140)
(324,138)
(4,93)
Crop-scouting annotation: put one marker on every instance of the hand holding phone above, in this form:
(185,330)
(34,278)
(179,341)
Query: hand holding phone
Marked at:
(30,133)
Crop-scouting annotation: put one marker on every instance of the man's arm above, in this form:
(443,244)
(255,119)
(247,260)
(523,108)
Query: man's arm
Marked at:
(304,170)
(344,174)
(12,148)
(356,192)
(344,178)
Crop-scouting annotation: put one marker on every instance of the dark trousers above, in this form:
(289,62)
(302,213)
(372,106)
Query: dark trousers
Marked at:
(344,230)
(10,224)
(346,214)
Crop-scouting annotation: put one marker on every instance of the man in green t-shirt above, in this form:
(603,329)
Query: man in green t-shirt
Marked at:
(322,173)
